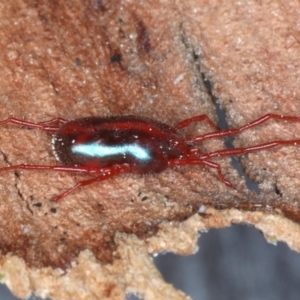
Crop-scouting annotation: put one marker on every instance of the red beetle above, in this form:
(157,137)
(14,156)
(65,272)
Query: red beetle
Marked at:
(108,146)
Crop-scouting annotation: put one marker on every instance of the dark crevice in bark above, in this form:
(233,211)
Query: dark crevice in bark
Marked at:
(222,119)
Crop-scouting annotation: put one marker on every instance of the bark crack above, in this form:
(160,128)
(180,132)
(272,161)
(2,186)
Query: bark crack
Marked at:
(222,123)
(17,180)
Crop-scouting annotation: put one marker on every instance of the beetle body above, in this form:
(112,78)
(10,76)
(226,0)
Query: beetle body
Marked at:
(145,145)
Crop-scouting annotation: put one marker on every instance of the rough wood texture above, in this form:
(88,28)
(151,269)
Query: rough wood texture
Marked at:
(63,59)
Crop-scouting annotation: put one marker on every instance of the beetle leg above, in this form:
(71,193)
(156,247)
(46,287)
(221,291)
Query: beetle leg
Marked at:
(198,161)
(55,121)
(110,172)
(244,150)
(234,131)
(42,125)
(101,174)
(199,118)
(54,168)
